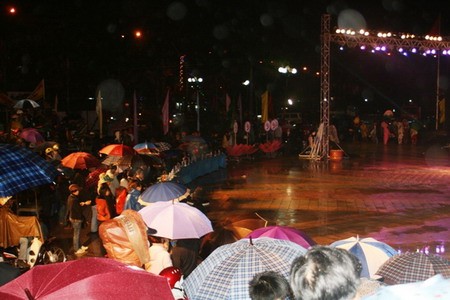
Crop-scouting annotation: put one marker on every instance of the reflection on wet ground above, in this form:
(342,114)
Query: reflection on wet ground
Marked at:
(396,193)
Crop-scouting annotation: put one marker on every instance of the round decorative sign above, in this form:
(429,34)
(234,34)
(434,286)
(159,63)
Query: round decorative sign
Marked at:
(247,126)
(267,126)
(274,124)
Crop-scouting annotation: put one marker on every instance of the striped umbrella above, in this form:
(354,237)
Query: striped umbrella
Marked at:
(371,253)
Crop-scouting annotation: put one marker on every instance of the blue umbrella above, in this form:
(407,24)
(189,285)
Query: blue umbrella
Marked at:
(22,169)
(370,252)
(164,191)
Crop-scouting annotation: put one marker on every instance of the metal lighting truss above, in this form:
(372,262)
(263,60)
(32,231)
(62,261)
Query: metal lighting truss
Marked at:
(402,42)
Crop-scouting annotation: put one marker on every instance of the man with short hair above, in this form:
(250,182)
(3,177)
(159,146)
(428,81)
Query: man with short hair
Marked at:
(76,216)
(269,285)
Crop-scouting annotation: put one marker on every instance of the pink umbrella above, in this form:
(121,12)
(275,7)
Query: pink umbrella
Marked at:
(87,278)
(284,233)
(31,135)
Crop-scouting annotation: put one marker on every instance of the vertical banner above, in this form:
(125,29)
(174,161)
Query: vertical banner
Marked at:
(135,119)
(265,107)
(240,108)
(165,113)
(99,110)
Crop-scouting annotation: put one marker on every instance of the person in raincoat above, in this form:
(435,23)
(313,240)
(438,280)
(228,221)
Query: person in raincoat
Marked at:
(134,191)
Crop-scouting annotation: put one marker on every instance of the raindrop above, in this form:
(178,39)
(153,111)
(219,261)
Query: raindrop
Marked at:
(351,19)
(266,20)
(176,11)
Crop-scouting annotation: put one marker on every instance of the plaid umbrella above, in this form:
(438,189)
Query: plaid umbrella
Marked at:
(93,177)
(21,169)
(413,267)
(226,272)
(163,146)
(370,252)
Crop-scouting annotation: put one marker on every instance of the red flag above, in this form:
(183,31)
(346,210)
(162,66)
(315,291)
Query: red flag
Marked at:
(165,114)
(227,102)
(39,92)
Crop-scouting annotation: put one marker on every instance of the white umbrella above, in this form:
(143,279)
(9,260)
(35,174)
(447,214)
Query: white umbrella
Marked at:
(22,103)
(370,252)
(175,220)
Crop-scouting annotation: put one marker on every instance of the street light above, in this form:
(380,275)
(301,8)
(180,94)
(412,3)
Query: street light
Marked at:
(196,81)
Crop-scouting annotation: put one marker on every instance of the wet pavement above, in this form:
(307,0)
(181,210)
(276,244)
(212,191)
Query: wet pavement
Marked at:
(398,194)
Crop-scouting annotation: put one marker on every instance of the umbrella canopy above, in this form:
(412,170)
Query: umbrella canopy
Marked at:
(21,169)
(94,176)
(175,220)
(31,135)
(146,148)
(163,146)
(242,228)
(26,102)
(87,278)
(164,191)
(284,233)
(225,273)
(270,146)
(80,160)
(117,150)
(370,252)
(134,161)
(413,267)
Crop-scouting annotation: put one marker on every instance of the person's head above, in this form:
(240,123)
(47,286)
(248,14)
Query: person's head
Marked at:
(325,273)
(134,185)
(104,190)
(74,189)
(113,169)
(269,285)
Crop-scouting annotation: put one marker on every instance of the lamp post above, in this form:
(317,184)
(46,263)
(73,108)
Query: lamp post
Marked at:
(195,81)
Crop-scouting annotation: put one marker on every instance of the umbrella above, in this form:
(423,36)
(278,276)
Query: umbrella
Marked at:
(242,228)
(226,272)
(194,139)
(80,160)
(388,113)
(271,146)
(370,252)
(175,220)
(31,135)
(134,161)
(164,191)
(163,146)
(146,148)
(24,102)
(413,267)
(94,176)
(42,146)
(284,233)
(87,278)
(21,169)
(117,150)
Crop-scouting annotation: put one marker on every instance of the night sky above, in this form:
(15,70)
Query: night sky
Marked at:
(77,44)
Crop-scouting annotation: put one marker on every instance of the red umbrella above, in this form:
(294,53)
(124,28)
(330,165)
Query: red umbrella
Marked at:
(87,278)
(93,177)
(31,135)
(271,146)
(117,150)
(80,160)
(284,233)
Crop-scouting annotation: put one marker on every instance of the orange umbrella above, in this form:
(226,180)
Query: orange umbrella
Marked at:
(80,160)
(117,150)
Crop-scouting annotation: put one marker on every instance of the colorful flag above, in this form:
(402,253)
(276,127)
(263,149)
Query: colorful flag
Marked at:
(265,106)
(39,92)
(227,102)
(99,110)
(165,113)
